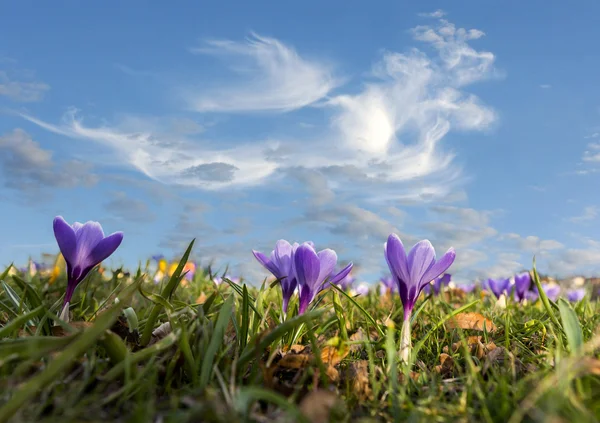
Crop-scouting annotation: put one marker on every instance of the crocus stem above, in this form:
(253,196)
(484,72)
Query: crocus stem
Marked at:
(405,344)
(64,314)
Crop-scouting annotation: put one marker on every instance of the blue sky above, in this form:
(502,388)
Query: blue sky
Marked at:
(473,124)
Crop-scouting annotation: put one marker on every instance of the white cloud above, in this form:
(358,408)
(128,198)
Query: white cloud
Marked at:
(27,168)
(589,213)
(386,138)
(593,153)
(531,244)
(545,86)
(273,77)
(20,85)
(575,260)
(439,13)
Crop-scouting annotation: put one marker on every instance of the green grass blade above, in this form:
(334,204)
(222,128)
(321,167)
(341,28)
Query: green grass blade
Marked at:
(215,341)
(363,311)
(80,345)
(571,326)
(245,318)
(16,323)
(166,293)
(278,332)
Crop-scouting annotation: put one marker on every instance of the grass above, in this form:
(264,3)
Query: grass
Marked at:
(228,354)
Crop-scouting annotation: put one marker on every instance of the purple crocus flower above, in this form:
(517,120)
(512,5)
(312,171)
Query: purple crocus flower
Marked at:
(552,291)
(280,264)
(467,287)
(498,286)
(411,273)
(387,284)
(437,284)
(158,257)
(83,247)
(522,285)
(362,289)
(313,270)
(532,296)
(576,295)
(346,282)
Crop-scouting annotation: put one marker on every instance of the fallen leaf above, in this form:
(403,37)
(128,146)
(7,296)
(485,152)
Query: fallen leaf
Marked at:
(333,355)
(357,376)
(471,321)
(447,365)
(295,349)
(495,356)
(476,347)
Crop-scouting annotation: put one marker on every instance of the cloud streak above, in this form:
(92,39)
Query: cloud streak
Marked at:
(271,76)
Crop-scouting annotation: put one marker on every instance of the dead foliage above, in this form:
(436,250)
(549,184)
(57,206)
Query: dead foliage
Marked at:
(473,321)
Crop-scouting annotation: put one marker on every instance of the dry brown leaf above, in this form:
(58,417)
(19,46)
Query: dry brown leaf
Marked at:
(358,336)
(294,349)
(333,355)
(357,375)
(471,321)
(495,356)
(318,406)
(447,365)
(475,345)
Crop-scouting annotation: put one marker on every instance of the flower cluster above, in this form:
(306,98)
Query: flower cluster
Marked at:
(300,267)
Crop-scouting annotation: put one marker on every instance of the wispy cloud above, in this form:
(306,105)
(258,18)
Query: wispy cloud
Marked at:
(545,86)
(439,13)
(28,168)
(589,213)
(531,244)
(593,153)
(20,84)
(385,139)
(271,76)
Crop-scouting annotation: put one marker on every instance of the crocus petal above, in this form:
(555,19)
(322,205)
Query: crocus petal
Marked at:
(440,267)
(396,258)
(65,237)
(420,259)
(88,236)
(268,264)
(307,266)
(328,260)
(343,273)
(105,248)
(283,257)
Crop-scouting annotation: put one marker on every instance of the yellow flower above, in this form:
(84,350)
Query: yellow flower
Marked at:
(59,266)
(162,266)
(172,268)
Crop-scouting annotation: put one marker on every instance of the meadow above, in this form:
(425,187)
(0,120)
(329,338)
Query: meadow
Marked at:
(175,342)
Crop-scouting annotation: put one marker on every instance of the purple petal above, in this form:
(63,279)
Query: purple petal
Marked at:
(328,260)
(343,273)
(576,295)
(395,256)
(88,237)
(441,266)
(105,248)
(522,284)
(65,238)
(307,267)
(420,259)
(283,257)
(262,259)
